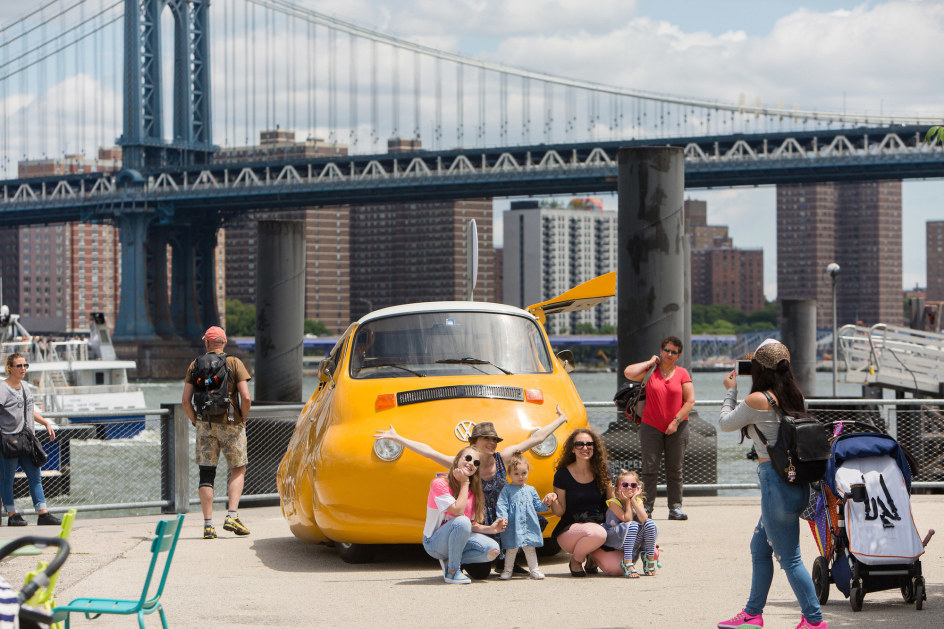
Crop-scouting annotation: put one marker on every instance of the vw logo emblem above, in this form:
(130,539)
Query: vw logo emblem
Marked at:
(464,430)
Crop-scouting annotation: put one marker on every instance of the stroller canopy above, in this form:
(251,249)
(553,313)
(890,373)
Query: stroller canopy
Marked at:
(862,445)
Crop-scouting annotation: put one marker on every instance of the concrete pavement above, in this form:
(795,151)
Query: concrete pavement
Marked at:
(272,579)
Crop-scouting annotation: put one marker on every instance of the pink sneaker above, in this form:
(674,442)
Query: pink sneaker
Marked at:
(806,624)
(743,619)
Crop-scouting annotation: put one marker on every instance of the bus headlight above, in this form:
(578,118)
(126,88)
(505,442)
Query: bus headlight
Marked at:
(546,447)
(387,449)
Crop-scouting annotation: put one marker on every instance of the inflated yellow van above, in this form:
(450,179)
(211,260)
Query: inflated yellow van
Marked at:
(432,371)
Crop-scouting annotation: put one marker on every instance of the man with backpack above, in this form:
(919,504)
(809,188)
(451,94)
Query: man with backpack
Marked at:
(216,399)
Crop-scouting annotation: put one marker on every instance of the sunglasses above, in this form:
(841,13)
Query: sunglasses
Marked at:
(474,462)
(583,444)
(672,352)
(633,485)
(21,366)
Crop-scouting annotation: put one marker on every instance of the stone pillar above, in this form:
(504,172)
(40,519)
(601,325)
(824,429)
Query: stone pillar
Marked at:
(280,311)
(133,322)
(652,256)
(798,332)
(157,272)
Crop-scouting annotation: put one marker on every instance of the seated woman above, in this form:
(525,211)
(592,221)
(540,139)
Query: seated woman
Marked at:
(581,488)
(453,533)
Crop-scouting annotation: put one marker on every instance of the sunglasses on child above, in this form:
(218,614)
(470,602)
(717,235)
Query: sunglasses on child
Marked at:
(633,485)
(474,462)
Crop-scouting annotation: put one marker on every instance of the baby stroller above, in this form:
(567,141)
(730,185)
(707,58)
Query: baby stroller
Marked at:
(863,523)
(13,611)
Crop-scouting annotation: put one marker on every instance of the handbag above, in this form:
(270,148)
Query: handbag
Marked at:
(37,453)
(631,397)
(802,448)
(16,445)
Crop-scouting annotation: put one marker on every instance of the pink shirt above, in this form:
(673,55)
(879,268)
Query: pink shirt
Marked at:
(664,398)
(440,499)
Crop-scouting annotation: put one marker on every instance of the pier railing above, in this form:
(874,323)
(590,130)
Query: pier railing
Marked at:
(108,461)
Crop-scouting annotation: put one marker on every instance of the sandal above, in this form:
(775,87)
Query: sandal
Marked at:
(649,566)
(629,570)
(576,573)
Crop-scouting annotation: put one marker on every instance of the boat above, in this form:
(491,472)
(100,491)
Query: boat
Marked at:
(76,374)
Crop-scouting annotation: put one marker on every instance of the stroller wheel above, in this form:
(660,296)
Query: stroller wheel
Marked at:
(919,594)
(820,576)
(907,590)
(857,595)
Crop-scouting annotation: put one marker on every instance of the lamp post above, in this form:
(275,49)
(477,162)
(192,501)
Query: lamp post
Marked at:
(833,269)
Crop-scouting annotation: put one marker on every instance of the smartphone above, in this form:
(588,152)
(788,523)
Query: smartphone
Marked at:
(744,367)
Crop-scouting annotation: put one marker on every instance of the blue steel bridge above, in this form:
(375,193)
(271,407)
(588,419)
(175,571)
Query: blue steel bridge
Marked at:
(93,73)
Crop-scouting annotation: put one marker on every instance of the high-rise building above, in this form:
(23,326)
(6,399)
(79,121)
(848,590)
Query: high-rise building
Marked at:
(363,258)
(408,252)
(721,273)
(858,226)
(547,251)
(54,276)
(934,257)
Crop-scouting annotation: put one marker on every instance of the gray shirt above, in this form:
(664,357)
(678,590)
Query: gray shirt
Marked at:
(15,408)
(731,419)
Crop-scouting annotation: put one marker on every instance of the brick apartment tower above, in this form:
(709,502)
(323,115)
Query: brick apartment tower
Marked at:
(858,226)
(54,276)
(722,273)
(367,257)
(934,257)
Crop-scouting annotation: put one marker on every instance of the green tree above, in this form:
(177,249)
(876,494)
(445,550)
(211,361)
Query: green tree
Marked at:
(935,135)
(585,328)
(607,329)
(240,318)
(316,328)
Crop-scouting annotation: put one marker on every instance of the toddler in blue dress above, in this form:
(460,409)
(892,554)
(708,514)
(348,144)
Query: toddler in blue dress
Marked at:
(520,504)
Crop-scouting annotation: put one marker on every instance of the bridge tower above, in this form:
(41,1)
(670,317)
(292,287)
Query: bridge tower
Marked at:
(146,230)
(142,140)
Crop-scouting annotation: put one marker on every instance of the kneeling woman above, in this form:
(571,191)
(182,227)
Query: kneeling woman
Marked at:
(453,533)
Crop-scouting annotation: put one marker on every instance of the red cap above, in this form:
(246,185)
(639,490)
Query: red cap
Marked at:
(215,333)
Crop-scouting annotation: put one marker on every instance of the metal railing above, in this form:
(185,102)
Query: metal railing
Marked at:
(104,461)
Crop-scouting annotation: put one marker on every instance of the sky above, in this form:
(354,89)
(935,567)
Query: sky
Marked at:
(823,55)
(827,55)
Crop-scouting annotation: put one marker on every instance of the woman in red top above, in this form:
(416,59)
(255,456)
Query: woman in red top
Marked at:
(670,397)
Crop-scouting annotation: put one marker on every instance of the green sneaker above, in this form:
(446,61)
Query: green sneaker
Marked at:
(234,525)
(209,532)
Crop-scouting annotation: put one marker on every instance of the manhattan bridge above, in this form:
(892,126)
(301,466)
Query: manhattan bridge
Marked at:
(176,83)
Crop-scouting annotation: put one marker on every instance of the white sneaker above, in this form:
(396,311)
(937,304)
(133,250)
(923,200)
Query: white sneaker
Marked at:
(505,575)
(456,577)
(537,574)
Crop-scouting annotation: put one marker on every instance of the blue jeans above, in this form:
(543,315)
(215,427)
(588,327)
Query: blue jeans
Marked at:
(7,471)
(778,533)
(456,544)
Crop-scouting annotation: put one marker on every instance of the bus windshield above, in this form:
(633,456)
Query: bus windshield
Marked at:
(449,344)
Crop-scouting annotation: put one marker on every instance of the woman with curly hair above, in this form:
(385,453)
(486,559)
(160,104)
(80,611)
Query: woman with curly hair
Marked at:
(581,488)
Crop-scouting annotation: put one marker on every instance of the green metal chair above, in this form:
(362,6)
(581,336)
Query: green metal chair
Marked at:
(164,543)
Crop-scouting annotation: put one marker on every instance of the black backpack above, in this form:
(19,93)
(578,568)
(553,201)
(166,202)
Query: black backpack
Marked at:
(211,378)
(802,448)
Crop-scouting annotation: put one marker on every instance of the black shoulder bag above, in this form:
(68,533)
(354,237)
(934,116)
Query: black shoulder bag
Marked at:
(802,448)
(631,397)
(17,445)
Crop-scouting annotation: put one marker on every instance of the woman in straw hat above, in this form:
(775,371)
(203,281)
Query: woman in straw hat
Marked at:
(485,439)
(778,531)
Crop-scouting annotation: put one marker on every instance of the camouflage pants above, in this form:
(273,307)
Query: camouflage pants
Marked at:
(230,438)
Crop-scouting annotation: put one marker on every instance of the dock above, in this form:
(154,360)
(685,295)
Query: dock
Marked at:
(271,579)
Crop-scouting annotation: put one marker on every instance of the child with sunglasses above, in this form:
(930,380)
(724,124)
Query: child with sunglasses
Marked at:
(625,517)
(453,532)
(519,504)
